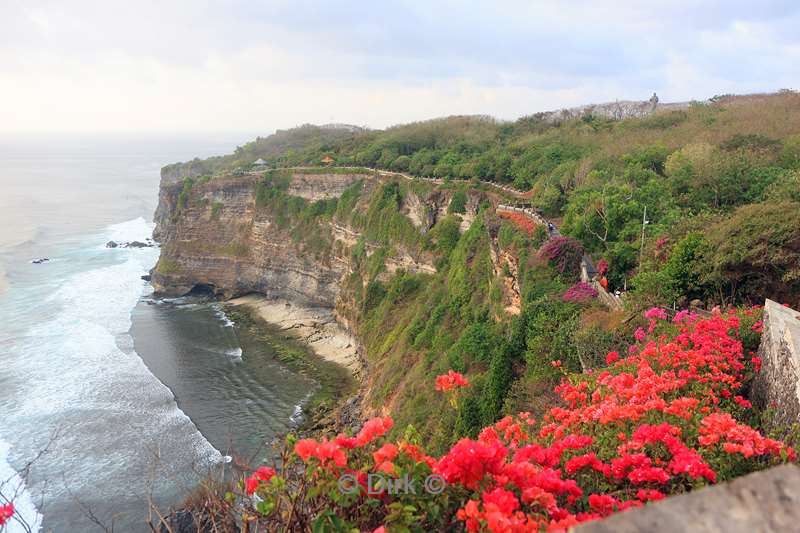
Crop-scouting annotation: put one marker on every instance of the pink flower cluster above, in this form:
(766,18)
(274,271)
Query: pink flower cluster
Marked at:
(580,292)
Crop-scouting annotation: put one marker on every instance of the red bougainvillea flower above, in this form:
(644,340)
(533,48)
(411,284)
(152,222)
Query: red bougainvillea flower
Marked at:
(564,253)
(518,219)
(6,512)
(680,316)
(326,452)
(384,457)
(660,419)
(469,461)
(603,504)
(446,382)
(374,428)
(739,438)
(649,495)
(263,474)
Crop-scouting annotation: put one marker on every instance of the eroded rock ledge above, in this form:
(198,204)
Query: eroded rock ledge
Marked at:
(316,327)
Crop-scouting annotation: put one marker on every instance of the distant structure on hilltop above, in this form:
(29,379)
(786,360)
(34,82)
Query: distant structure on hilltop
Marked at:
(347,127)
(619,110)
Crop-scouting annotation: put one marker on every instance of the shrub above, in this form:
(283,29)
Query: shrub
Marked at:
(374,294)
(183,197)
(458,203)
(580,292)
(216,209)
(563,253)
(750,141)
(790,153)
(664,418)
(523,222)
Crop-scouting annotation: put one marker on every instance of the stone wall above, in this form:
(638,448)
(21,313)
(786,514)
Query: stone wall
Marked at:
(766,501)
(777,386)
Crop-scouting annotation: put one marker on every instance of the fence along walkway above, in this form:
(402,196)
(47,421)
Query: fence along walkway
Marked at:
(589,273)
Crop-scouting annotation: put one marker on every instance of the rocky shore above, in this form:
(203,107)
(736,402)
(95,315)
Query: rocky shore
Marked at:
(338,405)
(315,327)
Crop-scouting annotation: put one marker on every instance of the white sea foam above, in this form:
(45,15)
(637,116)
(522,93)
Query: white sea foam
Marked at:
(234,352)
(89,382)
(297,414)
(137,229)
(12,486)
(219,312)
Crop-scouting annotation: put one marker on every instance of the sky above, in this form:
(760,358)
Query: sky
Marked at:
(239,65)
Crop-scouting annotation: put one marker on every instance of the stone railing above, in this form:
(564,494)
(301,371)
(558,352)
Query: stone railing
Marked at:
(527,211)
(767,501)
(777,386)
(609,300)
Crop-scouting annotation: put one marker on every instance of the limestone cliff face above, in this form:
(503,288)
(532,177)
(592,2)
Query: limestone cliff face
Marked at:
(217,240)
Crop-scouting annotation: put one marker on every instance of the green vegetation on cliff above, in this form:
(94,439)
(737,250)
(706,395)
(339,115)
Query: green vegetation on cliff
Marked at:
(417,325)
(715,183)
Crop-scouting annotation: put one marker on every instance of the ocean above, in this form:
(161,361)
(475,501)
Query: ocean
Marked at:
(106,394)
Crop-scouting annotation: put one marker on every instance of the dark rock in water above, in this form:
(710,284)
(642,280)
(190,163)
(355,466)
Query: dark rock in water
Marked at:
(132,244)
(183,521)
(146,277)
(39,261)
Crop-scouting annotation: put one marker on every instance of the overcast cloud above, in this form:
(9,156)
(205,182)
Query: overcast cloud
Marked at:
(194,65)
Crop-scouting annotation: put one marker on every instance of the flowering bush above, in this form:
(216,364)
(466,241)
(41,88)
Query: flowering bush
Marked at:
(580,292)
(661,420)
(6,512)
(564,253)
(518,219)
(445,382)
